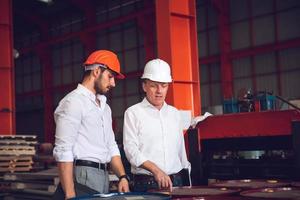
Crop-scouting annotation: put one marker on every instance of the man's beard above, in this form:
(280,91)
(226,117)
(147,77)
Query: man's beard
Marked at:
(97,87)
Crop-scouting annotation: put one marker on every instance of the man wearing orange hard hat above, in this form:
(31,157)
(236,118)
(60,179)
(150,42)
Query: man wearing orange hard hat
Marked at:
(84,138)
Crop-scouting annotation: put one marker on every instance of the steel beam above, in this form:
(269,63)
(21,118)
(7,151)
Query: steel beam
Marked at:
(177,44)
(225,47)
(7,87)
(45,58)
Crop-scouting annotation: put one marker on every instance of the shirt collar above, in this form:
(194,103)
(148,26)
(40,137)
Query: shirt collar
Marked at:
(146,103)
(92,96)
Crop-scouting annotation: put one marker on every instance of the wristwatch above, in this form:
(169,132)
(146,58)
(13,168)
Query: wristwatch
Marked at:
(124,176)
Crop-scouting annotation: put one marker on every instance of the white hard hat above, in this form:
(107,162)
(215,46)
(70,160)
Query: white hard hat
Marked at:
(157,70)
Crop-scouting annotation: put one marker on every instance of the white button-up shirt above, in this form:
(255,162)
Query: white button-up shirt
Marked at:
(84,128)
(154,135)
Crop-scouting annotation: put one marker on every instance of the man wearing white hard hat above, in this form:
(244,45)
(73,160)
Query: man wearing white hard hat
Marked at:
(153,134)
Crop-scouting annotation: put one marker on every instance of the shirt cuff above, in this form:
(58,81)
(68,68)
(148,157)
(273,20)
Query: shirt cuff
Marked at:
(139,160)
(115,152)
(65,156)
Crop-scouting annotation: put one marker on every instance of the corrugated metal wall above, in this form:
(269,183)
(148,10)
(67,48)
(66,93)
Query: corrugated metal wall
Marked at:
(125,39)
(253,24)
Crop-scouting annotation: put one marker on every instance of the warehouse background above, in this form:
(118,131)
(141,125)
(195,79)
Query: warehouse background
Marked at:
(256,42)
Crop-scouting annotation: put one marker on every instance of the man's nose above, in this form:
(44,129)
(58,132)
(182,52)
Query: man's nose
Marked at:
(112,82)
(159,88)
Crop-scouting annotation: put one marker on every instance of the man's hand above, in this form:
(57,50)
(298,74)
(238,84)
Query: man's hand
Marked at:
(123,185)
(163,180)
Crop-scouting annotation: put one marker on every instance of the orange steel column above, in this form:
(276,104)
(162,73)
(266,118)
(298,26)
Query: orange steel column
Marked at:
(177,44)
(7,97)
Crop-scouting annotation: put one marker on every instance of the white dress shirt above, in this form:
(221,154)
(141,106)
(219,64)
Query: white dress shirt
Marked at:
(154,135)
(84,128)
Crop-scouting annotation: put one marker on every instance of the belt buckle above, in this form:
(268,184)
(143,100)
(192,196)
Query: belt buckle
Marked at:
(105,166)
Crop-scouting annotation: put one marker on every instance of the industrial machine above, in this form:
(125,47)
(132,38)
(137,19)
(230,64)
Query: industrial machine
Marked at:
(260,145)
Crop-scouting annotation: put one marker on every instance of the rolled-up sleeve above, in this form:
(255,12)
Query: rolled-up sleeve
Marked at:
(112,145)
(182,150)
(67,118)
(130,140)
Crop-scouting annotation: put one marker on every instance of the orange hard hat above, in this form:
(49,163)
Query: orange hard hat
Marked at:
(106,59)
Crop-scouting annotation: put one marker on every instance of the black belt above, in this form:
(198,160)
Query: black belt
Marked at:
(88,163)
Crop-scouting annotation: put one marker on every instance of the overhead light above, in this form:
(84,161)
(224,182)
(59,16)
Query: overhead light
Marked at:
(16,53)
(46,1)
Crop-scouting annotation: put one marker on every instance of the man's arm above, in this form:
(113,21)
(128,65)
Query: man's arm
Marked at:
(65,170)
(161,177)
(118,169)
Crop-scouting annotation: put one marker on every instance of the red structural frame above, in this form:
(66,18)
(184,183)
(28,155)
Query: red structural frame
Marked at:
(7,87)
(249,124)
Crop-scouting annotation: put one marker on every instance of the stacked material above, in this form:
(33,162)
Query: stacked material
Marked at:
(16,152)
(29,185)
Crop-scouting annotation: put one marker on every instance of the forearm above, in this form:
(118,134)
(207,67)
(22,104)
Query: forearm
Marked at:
(150,166)
(160,176)
(117,166)
(65,170)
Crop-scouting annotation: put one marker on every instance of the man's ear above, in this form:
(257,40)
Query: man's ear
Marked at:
(96,72)
(144,86)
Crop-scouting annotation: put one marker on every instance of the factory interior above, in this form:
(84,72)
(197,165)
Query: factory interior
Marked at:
(235,67)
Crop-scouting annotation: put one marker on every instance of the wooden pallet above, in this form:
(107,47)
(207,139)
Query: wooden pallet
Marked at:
(15,158)
(24,137)
(17,152)
(17,141)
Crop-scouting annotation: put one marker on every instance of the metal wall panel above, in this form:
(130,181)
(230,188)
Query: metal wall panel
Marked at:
(216,94)
(267,83)
(102,41)
(290,83)
(240,35)
(56,77)
(78,52)
(212,17)
(118,106)
(214,42)
(36,81)
(131,100)
(205,97)
(114,10)
(265,63)
(238,10)
(241,67)
(132,86)
(119,89)
(263,30)
(130,40)
(215,72)
(27,83)
(202,44)
(261,7)
(286,4)
(288,24)
(67,74)
(66,54)
(289,59)
(201,18)
(130,60)
(115,41)
(204,74)
(56,57)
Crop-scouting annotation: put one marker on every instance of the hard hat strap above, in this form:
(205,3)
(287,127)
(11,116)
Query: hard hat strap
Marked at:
(94,66)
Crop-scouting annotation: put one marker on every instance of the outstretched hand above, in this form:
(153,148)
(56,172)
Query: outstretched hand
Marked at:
(163,180)
(123,185)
